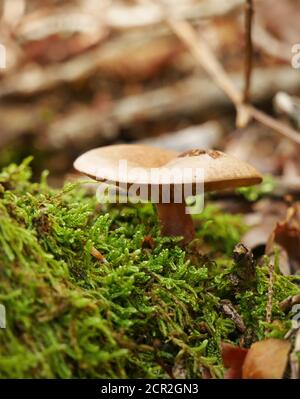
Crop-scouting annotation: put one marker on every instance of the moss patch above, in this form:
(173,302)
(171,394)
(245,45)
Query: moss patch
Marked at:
(152,310)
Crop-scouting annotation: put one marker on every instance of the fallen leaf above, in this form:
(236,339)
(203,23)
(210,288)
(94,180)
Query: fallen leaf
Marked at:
(266,359)
(233,359)
(287,235)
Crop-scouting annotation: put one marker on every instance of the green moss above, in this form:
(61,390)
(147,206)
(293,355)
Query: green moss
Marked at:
(253,193)
(146,312)
(221,230)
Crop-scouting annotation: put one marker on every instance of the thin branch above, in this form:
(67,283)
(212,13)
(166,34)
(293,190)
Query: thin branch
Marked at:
(275,125)
(207,59)
(249,11)
(200,50)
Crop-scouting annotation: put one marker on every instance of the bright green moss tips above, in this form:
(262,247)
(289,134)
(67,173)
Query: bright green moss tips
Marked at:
(147,311)
(222,231)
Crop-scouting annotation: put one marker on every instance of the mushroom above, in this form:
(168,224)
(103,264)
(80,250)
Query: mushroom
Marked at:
(220,171)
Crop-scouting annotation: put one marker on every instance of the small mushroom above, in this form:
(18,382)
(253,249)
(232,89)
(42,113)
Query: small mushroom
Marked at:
(220,171)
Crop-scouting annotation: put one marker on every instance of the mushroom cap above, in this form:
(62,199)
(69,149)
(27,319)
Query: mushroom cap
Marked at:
(104,163)
(220,171)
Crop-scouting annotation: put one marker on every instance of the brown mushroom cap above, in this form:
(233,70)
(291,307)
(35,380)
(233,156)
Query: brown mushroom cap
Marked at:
(221,171)
(106,160)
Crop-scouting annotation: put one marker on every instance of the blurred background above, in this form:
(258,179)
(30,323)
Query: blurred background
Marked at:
(85,73)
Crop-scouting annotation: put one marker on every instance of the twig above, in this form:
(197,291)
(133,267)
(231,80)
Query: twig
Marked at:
(206,58)
(228,309)
(288,106)
(270,294)
(200,50)
(249,11)
(275,125)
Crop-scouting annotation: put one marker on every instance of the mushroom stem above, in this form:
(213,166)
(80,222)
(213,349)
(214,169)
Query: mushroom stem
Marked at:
(175,221)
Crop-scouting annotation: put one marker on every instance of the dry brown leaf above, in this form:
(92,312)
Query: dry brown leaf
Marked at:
(266,359)
(233,359)
(287,235)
